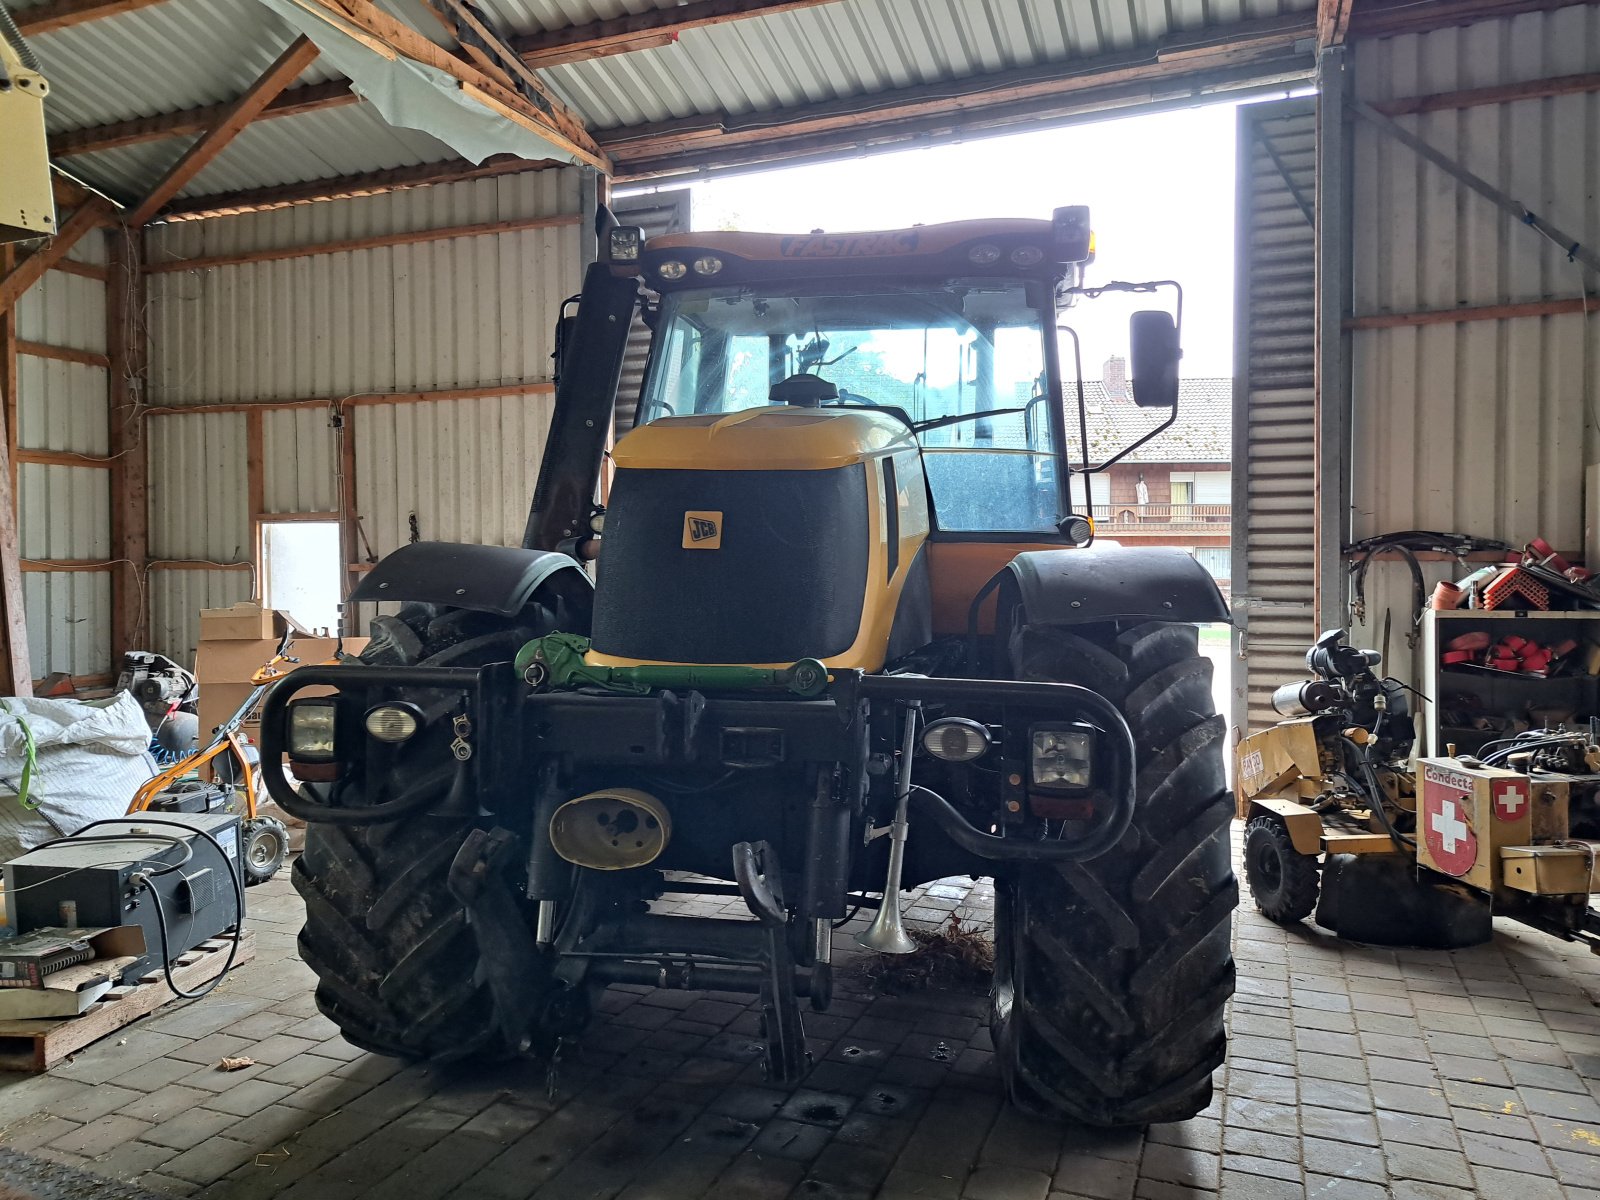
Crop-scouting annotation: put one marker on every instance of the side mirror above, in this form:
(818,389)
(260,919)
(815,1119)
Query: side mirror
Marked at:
(1153,355)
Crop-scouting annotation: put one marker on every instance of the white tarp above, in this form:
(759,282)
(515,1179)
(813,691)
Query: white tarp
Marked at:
(90,756)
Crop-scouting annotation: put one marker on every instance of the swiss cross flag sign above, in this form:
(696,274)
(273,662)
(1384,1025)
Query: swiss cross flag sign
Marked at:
(1445,830)
(1510,798)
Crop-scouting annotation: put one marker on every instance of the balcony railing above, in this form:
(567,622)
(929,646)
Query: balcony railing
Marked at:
(1149,518)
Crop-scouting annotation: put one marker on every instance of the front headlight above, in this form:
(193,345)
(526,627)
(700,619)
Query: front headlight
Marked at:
(956,739)
(394,723)
(1063,756)
(311,726)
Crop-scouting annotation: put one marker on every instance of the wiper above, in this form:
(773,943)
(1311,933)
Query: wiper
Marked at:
(958,418)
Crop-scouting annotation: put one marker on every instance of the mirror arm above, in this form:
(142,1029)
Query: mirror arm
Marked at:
(1083,422)
(1127,450)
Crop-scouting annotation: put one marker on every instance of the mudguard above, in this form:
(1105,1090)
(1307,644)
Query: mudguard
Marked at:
(1106,583)
(493,579)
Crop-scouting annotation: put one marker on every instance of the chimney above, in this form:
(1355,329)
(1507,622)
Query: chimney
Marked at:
(1115,379)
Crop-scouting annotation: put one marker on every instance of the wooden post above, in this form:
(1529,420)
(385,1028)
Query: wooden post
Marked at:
(255,473)
(126,348)
(16,673)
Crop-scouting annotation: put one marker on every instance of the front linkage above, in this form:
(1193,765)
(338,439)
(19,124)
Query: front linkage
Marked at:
(545,730)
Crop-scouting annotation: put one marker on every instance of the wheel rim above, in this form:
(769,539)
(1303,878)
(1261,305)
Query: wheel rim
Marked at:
(264,850)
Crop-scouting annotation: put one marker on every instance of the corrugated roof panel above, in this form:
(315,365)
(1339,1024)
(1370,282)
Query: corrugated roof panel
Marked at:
(169,56)
(197,501)
(336,141)
(64,310)
(185,53)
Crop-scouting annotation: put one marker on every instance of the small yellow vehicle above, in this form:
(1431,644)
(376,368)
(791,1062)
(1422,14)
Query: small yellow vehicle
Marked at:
(1341,822)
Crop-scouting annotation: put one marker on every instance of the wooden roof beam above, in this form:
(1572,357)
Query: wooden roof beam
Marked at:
(63,14)
(301,53)
(311,97)
(643,31)
(1333,22)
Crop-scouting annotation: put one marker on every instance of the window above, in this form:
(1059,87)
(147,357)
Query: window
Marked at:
(969,349)
(300,571)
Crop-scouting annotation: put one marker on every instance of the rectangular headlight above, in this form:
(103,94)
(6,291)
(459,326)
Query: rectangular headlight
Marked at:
(1063,756)
(311,730)
(624,244)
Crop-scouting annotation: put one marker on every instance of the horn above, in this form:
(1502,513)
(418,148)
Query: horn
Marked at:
(886,934)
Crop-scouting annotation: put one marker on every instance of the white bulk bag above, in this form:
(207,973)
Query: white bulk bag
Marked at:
(90,756)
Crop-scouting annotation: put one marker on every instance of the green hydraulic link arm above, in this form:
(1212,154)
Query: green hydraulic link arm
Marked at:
(556,661)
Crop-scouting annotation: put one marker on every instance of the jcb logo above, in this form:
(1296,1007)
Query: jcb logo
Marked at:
(702,531)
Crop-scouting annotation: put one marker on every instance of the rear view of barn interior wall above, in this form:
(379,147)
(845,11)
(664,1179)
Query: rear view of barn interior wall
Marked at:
(401,389)
(1481,426)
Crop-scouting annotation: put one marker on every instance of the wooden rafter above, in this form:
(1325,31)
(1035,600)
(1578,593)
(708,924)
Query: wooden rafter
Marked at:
(90,214)
(548,118)
(1534,89)
(643,31)
(301,53)
(63,14)
(311,97)
(1333,22)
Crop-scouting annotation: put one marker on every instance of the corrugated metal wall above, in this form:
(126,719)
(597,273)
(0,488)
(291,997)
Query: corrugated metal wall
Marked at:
(1482,426)
(1274,428)
(450,313)
(64,512)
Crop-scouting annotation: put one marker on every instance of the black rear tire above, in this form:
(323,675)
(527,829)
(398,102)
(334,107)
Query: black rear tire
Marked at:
(1111,975)
(395,956)
(1282,880)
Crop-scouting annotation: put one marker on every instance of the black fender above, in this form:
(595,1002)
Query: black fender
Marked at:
(1107,583)
(491,579)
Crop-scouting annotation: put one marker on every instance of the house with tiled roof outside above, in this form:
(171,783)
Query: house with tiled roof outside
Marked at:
(1177,488)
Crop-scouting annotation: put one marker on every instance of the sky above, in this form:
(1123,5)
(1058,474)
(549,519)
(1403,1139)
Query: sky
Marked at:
(1159,187)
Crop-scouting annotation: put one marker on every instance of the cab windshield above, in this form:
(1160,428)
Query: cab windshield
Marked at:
(961,362)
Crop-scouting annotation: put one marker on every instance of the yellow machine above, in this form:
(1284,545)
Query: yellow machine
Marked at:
(27,205)
(1339,821)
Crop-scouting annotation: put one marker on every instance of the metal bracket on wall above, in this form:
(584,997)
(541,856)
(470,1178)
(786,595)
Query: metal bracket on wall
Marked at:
(1569,245)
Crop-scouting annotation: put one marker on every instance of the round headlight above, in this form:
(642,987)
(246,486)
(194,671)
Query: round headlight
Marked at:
(672,269)
(956,739)
(597,523)
(984,254)
(707,264)
(394,722)
(1026,256)
(1076,529)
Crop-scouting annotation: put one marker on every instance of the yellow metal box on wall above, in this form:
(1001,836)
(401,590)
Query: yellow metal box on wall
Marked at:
(27,206)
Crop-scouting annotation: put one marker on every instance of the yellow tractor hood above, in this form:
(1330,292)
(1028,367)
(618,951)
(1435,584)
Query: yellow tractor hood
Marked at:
(779,438)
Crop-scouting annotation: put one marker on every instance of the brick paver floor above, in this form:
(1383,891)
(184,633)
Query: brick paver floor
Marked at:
(1354,1072)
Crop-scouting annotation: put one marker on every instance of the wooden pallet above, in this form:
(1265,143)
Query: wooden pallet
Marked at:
(37,1045)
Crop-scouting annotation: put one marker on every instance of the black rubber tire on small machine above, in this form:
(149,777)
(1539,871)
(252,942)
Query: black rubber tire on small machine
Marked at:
(1111,975)
(266,845)
(395,956)
(1282,881)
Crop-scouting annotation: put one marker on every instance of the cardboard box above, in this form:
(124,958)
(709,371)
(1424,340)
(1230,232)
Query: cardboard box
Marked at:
(244,622)
(224,667)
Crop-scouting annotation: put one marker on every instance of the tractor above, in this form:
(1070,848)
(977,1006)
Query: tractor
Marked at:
(827,623)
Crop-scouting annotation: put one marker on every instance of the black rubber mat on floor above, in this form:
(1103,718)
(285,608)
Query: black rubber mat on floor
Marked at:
(25,1178)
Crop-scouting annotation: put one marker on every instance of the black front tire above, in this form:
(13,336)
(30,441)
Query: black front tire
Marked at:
(396,959)
(1111,975)
(1282,880)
